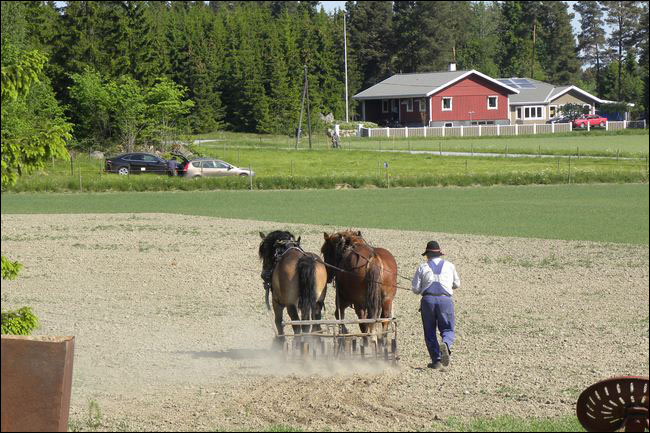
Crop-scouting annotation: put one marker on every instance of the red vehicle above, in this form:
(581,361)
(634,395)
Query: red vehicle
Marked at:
(591,119)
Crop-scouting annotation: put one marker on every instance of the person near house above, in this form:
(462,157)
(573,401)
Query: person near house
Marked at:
(436,280)
(172,166)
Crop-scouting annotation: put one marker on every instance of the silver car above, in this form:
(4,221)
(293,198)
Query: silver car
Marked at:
(209,167)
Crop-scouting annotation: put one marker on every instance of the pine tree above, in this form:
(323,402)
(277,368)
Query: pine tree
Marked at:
(370,37)
(591,38)
(623,16)
(559,59)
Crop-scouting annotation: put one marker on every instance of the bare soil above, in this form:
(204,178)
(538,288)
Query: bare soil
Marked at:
(172,332)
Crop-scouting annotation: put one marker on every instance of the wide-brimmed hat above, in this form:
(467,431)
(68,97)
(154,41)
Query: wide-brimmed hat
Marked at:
(434,248)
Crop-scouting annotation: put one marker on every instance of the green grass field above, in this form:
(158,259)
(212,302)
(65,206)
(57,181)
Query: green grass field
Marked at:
(284,169)
(629,143)
(604,213)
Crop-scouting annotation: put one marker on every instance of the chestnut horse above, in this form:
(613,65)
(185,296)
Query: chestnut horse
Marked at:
(367,279)
(298,282)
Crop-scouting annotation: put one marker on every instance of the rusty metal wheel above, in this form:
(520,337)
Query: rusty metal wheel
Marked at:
(614,403)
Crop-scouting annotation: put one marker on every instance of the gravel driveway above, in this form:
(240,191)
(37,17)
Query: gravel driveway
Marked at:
(172,332)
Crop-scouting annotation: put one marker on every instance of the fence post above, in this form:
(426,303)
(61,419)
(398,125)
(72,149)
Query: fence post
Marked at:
(516,129)
(498,130)
(461,130)
(552,128)
(443,131)
(570,126)
(569,168)
(534,128)
(479,130)
(440,148)
(588,126)
(606,126)
(425,131)
(250,176)
(387,132)
(406,131)
(80,187)
(624,124)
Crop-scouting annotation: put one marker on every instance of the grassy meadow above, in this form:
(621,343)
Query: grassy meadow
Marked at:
(625,143)
(603,213)
(327,169)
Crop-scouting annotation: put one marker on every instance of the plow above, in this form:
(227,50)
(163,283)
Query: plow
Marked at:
(328,340)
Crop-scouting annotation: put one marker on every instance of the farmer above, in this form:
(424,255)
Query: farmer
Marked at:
(436,280)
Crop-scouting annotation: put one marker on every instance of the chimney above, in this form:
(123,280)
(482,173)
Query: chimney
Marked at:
(452,67)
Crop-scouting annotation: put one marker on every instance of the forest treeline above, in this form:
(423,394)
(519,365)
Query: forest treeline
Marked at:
(122,73)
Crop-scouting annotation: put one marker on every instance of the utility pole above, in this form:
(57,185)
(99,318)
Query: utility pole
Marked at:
(345,56)
(308,110)
(302,107)
(532,63)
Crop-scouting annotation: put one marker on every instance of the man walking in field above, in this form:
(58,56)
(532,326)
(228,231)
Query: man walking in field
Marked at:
(436,280)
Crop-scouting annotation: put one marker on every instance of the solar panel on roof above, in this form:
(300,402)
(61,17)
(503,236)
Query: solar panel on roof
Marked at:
(526,86)
(521,81)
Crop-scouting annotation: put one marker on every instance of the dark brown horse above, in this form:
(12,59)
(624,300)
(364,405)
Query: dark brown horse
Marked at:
(298,281)
(367,280)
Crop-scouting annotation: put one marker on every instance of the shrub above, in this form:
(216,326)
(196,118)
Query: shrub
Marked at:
(21,322)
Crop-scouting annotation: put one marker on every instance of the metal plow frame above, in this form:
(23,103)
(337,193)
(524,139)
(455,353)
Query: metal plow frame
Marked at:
(342,346)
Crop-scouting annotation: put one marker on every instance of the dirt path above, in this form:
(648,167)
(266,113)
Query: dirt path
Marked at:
(172,332)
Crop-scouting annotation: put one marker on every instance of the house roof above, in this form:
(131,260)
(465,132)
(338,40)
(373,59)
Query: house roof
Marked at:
(420,84)
(538,92)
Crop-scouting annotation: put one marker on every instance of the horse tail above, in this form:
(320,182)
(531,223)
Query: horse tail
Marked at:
(307,285)
(374,295)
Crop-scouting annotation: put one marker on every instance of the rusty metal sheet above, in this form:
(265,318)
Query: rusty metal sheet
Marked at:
(36,383)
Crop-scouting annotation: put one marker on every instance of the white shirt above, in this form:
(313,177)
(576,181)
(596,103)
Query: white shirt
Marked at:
(424,277)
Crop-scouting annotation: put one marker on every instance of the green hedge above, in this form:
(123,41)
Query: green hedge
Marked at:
(158,183)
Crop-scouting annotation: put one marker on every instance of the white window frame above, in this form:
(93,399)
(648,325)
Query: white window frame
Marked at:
(589,106)
(557,111)
(519,112)
(532,109)
(451,103)
(422,105)
(394,106)
(409,104)
(385,105)
(496,103)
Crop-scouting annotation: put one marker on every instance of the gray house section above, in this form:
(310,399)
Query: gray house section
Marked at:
(408,85)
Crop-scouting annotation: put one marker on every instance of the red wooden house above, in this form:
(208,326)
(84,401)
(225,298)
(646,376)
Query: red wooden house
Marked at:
(450,98)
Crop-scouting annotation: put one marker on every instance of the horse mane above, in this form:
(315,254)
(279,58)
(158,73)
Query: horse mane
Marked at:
(267,246)
(339,242)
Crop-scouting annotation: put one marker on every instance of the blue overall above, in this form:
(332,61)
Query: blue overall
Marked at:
(437,310)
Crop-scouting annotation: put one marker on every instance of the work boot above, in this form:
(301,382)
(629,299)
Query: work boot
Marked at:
(435,365)
(444,354)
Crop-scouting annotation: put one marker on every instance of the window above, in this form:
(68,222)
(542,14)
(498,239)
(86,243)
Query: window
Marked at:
(208,164)
(448,125)
(588,107)
(394,106)
(534,113)
(409,104)
(135,158)
(552,110)
(384,105)
(423,105)
(150,158)
(492,102)
(219,164)
(446,104)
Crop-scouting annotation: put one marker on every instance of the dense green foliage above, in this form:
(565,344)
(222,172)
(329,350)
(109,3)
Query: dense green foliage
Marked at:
(241,63)
(602,213)
(21,322)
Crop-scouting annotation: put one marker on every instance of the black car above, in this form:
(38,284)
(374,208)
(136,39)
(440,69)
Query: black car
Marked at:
(136,163)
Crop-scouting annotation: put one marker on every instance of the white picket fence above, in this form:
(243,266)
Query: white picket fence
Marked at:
(487,130)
